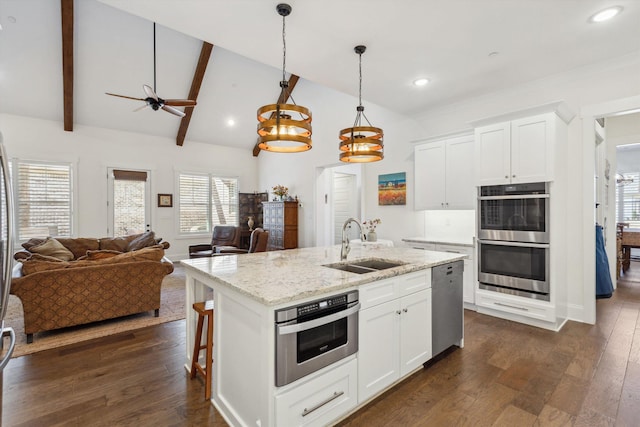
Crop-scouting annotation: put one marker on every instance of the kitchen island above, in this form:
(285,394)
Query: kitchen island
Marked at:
(249,289)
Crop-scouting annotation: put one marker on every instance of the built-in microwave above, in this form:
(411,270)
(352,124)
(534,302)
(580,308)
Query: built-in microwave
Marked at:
(516,213)
(314,335)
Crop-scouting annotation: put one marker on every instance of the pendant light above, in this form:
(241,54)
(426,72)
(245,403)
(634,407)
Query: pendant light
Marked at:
(361,144)
(279,128)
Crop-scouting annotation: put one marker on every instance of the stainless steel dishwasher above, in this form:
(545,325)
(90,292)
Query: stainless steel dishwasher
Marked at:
(446,310)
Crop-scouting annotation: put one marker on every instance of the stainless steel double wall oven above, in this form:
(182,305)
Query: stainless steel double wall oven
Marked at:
(513,239)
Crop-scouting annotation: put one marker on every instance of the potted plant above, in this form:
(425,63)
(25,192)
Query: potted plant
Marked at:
(370,225)
(281,191)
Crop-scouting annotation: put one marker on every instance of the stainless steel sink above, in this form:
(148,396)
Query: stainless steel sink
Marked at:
(364,266)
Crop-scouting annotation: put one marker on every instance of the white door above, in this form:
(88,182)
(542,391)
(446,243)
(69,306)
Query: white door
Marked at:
(129,201)
(430,176)
(378,348)
(345,202)
(459,180)
(531,143)
(415,330)
(493,154)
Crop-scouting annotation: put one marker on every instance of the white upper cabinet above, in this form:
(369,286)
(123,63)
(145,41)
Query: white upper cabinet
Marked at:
(444,177)
(516,151)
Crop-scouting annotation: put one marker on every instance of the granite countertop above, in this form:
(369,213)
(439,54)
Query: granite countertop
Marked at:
(279,277)
(462,242)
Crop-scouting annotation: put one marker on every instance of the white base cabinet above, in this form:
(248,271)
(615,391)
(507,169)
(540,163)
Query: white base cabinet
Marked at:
(394,331)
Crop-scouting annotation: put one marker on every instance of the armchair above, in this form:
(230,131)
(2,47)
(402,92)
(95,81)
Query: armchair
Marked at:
(224,238)
(259,240)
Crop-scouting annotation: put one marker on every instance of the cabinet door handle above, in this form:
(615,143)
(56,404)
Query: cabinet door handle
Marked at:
(405,310)
(513,176)
(398,312)
(511,306)
(336,394)
(506,176)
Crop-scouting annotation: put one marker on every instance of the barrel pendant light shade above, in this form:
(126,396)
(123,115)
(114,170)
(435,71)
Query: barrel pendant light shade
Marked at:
(282,127)
(361,144)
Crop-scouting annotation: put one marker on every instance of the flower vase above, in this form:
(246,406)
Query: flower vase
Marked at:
(372,236)
(250,223)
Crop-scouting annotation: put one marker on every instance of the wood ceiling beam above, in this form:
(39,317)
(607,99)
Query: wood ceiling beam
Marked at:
(198,76)
(66,12)
(293,80)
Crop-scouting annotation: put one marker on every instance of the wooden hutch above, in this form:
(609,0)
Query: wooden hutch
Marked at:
(281,220)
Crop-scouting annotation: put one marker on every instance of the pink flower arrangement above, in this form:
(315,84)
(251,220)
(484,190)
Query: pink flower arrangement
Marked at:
(371,224)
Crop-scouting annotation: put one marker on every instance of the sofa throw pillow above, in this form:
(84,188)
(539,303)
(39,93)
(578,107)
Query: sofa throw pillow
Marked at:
(40,257)
(79,245)
(116,243)
(99,254)
(142,241)
(51,247)
(34,241)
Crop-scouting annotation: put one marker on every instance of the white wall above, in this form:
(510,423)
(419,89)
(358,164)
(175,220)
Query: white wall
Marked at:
(93,150)
(333,111)
(586,86)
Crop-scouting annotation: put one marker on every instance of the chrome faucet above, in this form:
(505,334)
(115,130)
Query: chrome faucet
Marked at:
(344,251)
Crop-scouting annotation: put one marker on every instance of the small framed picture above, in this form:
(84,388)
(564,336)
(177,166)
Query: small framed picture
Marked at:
(165,200)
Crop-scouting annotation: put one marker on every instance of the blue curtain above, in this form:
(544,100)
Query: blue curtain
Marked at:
(604,287)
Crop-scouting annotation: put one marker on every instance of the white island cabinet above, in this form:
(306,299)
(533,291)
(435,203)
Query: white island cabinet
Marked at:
(248,289)
(395,331)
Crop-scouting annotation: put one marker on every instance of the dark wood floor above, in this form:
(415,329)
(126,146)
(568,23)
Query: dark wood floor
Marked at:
(508,374)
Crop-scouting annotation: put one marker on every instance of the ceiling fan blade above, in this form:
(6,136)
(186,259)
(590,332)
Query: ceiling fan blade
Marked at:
(173,110)
(150,93)
(180,102)
(123,96)
(141,108)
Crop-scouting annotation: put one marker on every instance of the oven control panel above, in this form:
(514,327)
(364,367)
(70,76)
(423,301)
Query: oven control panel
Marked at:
(321,305)
(317,307)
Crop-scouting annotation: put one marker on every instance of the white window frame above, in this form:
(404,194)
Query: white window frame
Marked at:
(177,202)
(15,182)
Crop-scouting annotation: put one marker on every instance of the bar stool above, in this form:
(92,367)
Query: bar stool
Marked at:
(204,309)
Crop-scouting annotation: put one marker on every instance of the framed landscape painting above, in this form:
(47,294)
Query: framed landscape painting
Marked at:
(392,189)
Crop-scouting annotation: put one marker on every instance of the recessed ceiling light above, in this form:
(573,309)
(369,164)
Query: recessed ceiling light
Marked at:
(606,14)
(421,82)
(231,122)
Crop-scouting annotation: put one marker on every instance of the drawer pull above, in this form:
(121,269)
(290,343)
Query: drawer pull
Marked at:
(336,394)
(511,306)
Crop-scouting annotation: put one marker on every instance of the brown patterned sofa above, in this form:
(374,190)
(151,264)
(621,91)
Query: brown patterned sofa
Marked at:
(88,280)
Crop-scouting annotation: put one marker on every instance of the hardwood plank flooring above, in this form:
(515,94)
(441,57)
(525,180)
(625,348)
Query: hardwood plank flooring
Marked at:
(508,374)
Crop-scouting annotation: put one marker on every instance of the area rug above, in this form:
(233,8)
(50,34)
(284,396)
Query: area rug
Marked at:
(171,308)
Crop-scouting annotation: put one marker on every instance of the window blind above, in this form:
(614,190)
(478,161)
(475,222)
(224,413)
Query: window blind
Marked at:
(206,201)
(43,199)
(129,175)
(628,201)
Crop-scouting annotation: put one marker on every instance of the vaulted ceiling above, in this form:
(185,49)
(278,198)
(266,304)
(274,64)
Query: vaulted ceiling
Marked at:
(465,47)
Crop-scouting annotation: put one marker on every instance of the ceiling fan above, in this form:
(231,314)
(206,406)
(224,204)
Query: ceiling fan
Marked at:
(153,100)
